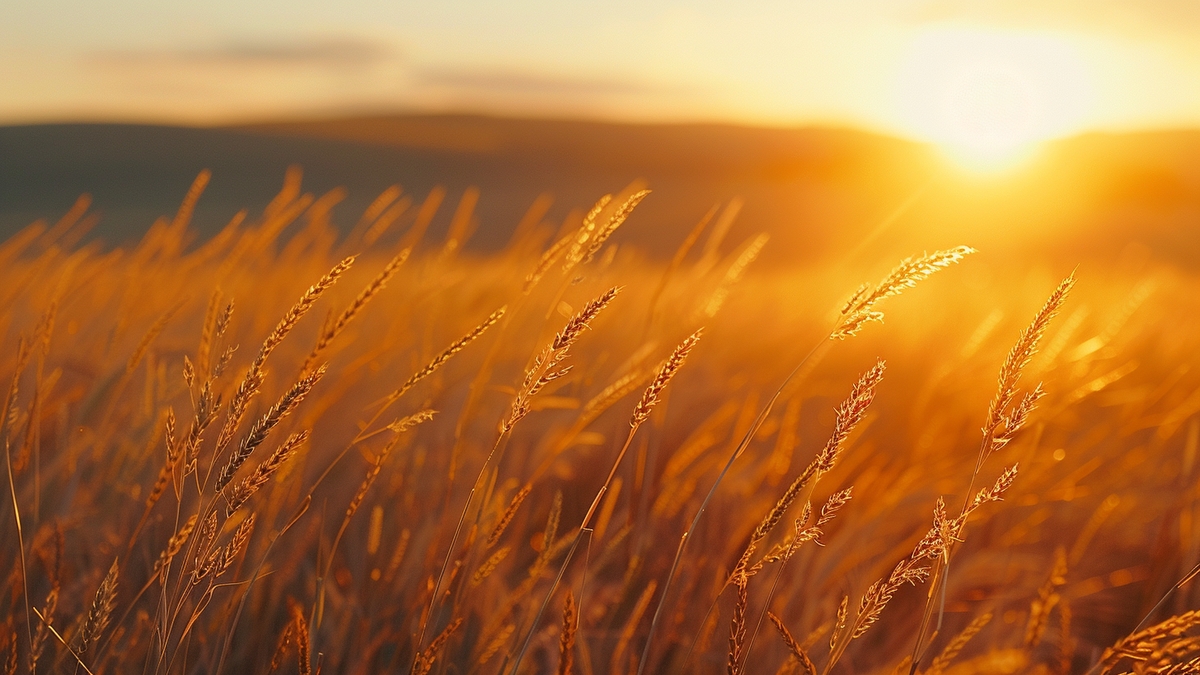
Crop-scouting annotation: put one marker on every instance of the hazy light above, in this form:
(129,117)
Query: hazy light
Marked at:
(988,96)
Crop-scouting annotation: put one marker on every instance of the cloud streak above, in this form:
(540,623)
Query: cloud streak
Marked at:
(518,83)
(346,52)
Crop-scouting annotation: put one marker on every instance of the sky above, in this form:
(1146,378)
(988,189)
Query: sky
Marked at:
(958,71)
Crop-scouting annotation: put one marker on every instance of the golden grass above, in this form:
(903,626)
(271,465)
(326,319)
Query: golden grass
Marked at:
(334,523)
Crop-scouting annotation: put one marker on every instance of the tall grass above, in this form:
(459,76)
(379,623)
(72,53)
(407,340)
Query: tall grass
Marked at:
(289,449)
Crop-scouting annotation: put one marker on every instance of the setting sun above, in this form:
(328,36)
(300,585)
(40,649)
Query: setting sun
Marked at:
(987,96)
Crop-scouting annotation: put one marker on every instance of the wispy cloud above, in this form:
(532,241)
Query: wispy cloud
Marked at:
(338,52)
(527,83)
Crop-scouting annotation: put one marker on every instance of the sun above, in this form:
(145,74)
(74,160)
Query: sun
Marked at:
(989,97)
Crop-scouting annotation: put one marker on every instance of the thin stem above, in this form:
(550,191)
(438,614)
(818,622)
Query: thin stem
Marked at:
(683,540)
(501,441)
(12,488)
(583,527)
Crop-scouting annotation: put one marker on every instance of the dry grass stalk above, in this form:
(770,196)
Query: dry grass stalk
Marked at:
(737,626)
(1006,414)
(45,626)
(339,324)
(586,232)
(734,274)
(263,472)
(797,651)
(608,396)
(855,313)
(439,360)
(1141,645)
(549,534)
(507,516)
(98,616)
(859,309)
(545,368)
(488,566)
(616,220)
(149,337)
(424,661)
(1046,600)
(397,556)
(205,539)
(270,419)
(407,422)
(496,643)
(174,546)
(398,426)
(300,632)
(204,414)
(253,379)
(237,544)
(545,263)
(553,355)
(641,412)
(1066,643)
(631,624)
(285,640)
(804,533)
(566,637)
(912,570)
(849,414)
(952,648)
(208,330)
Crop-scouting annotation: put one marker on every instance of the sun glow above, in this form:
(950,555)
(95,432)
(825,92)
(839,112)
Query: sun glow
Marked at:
(989,97)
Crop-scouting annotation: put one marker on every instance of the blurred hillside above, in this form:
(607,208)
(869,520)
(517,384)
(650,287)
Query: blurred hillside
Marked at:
(817,191)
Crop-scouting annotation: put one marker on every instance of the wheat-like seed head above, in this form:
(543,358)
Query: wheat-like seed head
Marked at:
(666,371)
(102,606)
(792,645)
(263,472)
(1003,420)
(241,537)
(507,516)
(839,623)
(339,324)
(566,638)
(297,312)
(737,627)
(259,431)
(849,414)
(425,659)
(454,348)
(1047,599)
(174,545)
(939,664)
(488,566)
(544,263)
(1139,645)
(586,232)
(613,223)
(253,379)
(545,368)
(858,310)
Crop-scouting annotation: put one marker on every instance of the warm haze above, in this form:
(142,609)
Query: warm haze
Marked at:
(580,338)
(984,79)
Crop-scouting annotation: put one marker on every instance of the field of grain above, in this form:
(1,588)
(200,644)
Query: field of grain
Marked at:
(290,448)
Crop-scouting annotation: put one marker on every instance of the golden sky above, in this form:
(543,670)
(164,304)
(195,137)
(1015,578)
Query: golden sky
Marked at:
(969,73)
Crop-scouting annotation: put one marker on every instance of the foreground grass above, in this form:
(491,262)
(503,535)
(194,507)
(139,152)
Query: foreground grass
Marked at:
(284,448)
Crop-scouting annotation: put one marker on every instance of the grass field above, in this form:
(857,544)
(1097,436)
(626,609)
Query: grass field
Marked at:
(289,448)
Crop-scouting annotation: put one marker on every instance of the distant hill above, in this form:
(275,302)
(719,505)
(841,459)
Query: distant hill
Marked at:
(817,191)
